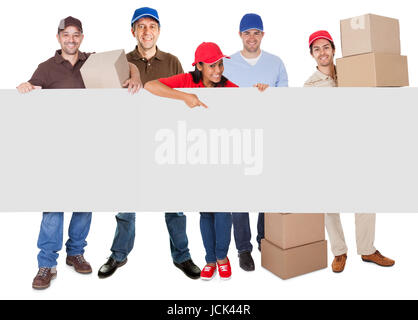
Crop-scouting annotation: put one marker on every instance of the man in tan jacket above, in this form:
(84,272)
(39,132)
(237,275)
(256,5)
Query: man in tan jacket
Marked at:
(322,49)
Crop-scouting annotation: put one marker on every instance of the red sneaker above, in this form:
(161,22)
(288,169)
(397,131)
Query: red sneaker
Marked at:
(225,270)
(208,272)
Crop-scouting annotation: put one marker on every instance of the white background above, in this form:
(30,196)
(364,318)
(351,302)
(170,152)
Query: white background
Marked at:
(28,38)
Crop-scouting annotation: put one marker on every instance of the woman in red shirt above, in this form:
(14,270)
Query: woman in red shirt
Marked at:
(207,74)
(215,227)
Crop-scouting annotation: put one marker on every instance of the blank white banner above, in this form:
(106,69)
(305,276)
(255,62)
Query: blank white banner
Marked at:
(283,150)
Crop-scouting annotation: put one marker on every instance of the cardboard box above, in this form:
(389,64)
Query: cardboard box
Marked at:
(293,262)
(105,70)
(370,33)
(373,70)
(287,230)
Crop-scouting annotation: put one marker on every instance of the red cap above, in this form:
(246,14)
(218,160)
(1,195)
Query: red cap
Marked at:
(321,34)
(208,52)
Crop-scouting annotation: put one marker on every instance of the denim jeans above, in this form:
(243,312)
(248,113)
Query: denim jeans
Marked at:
(242,231)
(215,228)
(51,236)
(123,242)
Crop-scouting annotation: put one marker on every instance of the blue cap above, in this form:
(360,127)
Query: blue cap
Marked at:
(145,12)
(251,21)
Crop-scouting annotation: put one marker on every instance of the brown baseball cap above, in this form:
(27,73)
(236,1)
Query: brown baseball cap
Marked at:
(70,21)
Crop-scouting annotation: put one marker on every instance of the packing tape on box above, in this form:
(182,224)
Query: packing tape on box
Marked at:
(282,150)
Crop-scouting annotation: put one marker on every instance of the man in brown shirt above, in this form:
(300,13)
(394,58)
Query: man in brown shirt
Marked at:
(152,64)
(62,72)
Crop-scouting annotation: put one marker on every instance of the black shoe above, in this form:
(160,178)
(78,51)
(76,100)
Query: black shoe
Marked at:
(110,267)
(246,262)
(189,268)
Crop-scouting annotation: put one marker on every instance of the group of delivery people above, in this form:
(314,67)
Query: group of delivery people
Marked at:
(160,73)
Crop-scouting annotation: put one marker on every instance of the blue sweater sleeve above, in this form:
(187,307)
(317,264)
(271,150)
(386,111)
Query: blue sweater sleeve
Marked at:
(282,80)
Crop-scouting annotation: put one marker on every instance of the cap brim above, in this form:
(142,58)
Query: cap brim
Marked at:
(251,29)
(71,25)
(319,37)
(211,62)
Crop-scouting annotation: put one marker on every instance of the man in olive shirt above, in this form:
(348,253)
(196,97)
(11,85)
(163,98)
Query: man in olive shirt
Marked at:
(152,64)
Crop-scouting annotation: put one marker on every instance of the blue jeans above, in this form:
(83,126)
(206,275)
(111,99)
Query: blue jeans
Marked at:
(123,242)
(215,228)
(51,234)
(242,231)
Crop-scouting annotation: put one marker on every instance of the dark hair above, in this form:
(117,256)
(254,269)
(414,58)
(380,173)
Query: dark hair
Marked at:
(197,77)
(332,46)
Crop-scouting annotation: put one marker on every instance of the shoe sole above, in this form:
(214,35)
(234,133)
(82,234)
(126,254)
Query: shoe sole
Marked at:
(79,271)
(187,275)
(103,276)
(44,287)
(247,270)
(338,271)
(380,265)
(207,279)
(225,279)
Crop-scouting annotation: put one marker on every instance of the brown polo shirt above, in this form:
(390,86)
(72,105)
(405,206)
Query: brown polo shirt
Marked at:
(162,65)
(58,73)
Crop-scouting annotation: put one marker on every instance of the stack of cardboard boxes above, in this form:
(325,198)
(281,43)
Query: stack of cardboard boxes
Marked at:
(371,51)
(294,244)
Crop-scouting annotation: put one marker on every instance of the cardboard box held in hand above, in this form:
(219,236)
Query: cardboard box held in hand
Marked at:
(105,70)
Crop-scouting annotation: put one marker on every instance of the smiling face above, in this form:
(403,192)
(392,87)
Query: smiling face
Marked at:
(70,40)
(251,39)
(322,52)
(211,73)
(146,31)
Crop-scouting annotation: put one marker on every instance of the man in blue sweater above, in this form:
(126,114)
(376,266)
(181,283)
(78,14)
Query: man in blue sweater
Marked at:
(247,68)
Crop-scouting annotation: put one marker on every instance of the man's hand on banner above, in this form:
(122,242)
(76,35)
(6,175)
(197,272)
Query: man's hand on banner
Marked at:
(26,87)
(261,86)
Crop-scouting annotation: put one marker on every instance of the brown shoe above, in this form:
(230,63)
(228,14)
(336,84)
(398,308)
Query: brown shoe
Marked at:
(43,278)
(79,263)
(378,259)
(339,263)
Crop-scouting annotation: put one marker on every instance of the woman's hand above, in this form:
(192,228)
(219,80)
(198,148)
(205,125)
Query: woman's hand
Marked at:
(193,101)
(261,86)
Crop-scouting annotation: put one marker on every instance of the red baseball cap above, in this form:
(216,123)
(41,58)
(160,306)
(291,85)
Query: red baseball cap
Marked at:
(208,52)
(321,34)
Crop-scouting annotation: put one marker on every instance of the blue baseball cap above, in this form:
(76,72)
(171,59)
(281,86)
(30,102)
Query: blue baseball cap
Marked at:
(251,21)
(145,12)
